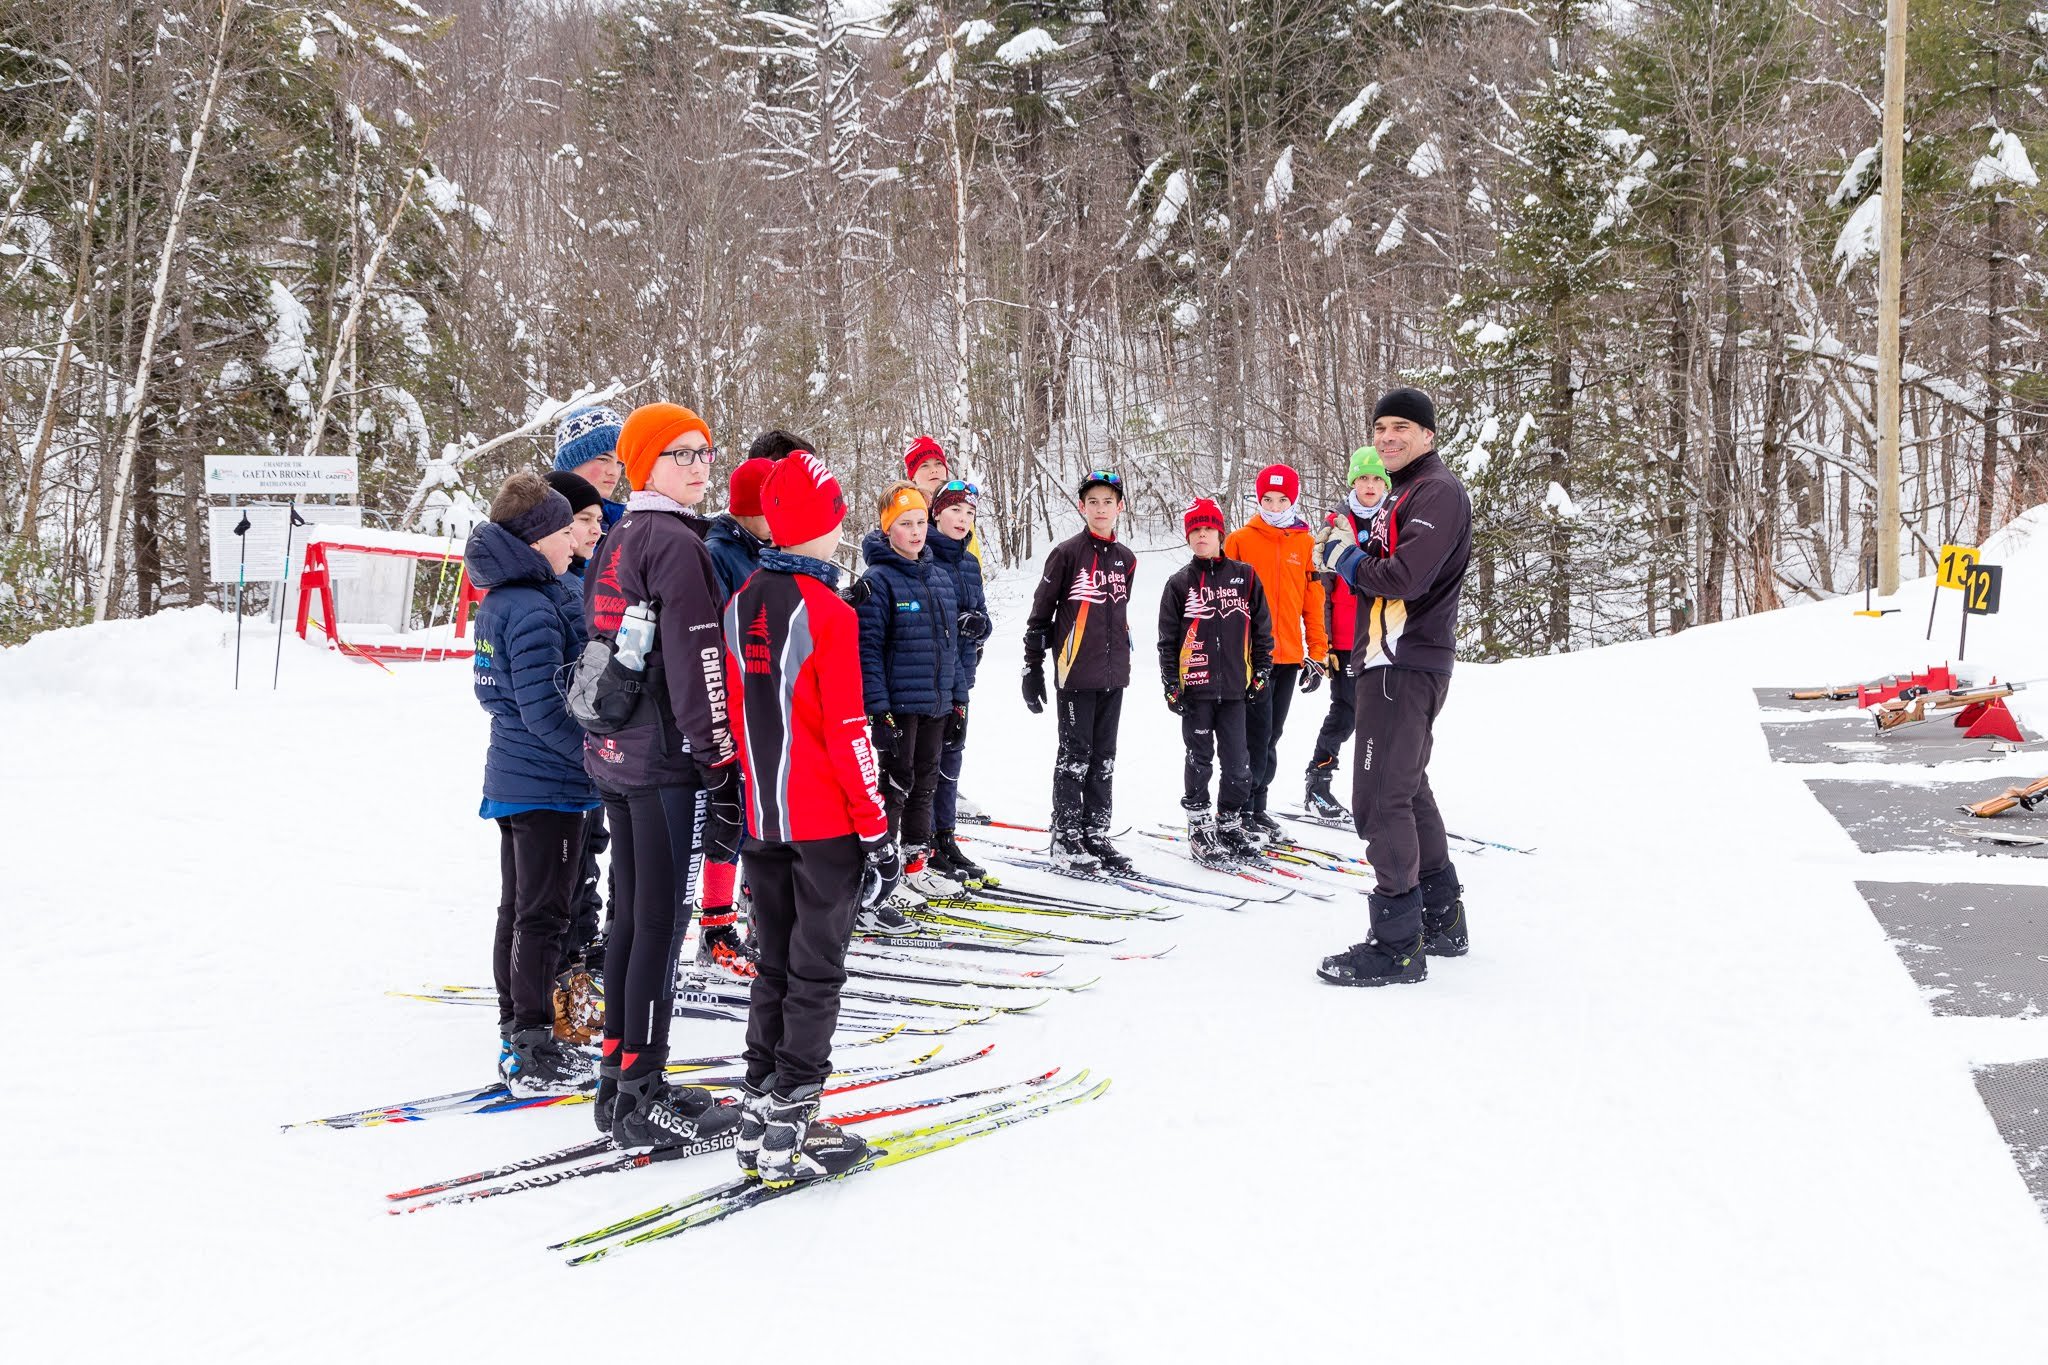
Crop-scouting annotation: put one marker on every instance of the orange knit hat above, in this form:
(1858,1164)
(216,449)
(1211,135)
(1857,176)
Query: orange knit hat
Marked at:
(900,499)
(648,432)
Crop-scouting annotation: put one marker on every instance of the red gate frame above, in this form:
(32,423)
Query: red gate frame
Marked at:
(315,577)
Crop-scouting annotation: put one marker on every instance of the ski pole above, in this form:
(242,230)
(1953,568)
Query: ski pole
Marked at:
(241,578)
(278,658)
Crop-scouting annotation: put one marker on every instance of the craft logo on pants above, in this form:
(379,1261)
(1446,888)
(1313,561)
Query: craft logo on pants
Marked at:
(1365,759)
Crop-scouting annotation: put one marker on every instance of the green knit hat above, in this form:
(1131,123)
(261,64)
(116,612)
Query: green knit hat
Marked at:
(1366,460)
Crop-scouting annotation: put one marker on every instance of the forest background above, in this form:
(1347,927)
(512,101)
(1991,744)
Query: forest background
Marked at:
(1631,249)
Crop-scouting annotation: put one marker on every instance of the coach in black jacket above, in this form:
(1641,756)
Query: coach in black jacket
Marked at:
(1408,582)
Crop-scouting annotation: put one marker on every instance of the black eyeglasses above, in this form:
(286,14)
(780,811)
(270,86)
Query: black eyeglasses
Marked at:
(701,455)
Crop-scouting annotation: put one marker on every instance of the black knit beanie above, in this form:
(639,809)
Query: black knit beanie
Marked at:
(1412,404)
(580,491)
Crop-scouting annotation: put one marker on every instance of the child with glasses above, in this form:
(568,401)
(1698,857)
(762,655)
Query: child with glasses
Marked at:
(953,510)
(909,657)
(1080,615)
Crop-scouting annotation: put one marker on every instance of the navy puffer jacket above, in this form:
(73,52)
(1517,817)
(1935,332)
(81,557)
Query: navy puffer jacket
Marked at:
(735,551)
(527,628)
(960,564)
(909,633)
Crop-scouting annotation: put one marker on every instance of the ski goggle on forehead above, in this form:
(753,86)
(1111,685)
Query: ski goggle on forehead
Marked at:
(959,486)
(1108,476)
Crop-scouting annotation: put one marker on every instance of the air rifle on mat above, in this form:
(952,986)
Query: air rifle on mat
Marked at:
(1839,692)
(1912,705)
(2032,795)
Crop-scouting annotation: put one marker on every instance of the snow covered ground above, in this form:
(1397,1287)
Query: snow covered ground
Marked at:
(1681,1103)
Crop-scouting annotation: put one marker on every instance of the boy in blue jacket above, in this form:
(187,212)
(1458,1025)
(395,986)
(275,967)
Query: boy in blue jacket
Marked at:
(529,625)
(909,652)
(953,510)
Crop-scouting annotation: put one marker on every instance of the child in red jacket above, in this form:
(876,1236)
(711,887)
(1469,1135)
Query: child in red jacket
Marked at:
(1367,475)
(819,846)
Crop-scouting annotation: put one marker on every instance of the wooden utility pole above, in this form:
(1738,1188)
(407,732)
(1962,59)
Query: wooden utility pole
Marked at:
(1888,270)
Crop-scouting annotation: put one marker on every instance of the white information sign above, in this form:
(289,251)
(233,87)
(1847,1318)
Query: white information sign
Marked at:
(266,540)
(280,475)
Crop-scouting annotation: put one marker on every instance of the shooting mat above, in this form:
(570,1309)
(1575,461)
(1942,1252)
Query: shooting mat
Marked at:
(1974,949)
(1893,817)
(1855,739)
(2016,1093)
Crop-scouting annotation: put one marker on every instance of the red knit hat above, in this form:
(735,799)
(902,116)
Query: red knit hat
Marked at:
(744,487)
(923,450)
(1279,478)
(801,499)
(647,433)
(1201,512)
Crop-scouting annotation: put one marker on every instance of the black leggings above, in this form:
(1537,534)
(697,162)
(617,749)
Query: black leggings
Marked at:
(539,855)
(1265,716)
(657,856)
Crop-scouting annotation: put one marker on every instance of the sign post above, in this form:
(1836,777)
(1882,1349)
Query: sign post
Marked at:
(269,527)
(1980,598)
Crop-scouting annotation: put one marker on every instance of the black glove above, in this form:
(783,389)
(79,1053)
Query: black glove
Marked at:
(1034,689)
(1173,697)
(723,823)
(881,869)
(1260,677)
(973,625)
(956,723)
(885,737)
(1311,676)
(858,592)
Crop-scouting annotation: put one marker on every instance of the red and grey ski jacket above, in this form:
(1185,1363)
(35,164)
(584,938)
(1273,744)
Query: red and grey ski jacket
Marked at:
(793,654)
(656,555)
(1081,612)
(1410,577)
(1215,630)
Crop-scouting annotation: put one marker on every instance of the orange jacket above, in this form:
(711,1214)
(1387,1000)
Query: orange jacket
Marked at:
(1285,562)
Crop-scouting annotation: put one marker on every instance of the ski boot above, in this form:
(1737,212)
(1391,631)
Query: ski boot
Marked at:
(1111,858)
(1205,841)
(532,1064)
(889,918)
(1070,852)
(652,1113)
(946,853)
(1262,826)
(753,1123)
(1238,841)
(1318,802)
(721,949)
(607,1086)
(1443,915)
(1373,963)
(921,875)
(797,1145)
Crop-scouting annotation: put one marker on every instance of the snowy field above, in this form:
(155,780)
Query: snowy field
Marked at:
(1681,1103)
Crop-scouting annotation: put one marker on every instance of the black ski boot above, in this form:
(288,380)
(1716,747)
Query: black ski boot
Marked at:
(1318,802)
(607,1086)
(753,1123)
(1111,858)
(533,1063)
(955,864)
(1206,842)
(797,1145)
(1443,915)
(1070,852)
(653,1113)
(1241,843)
(1263,827)
(1393,956)
(1372,963)
(721,949)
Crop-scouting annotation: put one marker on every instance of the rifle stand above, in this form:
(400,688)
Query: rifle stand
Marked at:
(1990,720)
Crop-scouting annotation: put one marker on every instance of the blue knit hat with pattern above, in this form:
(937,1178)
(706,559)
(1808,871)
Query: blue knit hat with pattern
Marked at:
(586,434)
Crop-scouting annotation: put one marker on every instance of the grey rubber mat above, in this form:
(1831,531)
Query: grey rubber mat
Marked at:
(1976,950)
(1891,817)
(2016,1093)
(1855,739)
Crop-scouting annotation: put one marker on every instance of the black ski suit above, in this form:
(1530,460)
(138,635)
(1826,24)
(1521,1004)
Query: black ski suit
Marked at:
(1215,643)
(1080,614)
